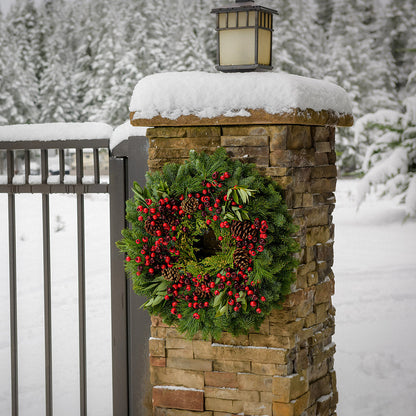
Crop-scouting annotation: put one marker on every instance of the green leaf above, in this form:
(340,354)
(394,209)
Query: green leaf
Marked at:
(158,299)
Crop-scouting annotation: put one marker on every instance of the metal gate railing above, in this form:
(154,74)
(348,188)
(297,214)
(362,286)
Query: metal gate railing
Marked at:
(130,326)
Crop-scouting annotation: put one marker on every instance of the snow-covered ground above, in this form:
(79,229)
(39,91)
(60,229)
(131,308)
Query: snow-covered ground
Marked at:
(375,271)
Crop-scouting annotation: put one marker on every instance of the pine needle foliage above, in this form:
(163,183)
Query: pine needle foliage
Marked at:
(214,292)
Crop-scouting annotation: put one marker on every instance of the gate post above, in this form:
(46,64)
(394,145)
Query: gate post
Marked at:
(287,367)
(130,324)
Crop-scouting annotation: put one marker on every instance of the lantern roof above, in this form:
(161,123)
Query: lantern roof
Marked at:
(243,6)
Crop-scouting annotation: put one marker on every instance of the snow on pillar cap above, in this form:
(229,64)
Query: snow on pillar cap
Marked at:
(200,98)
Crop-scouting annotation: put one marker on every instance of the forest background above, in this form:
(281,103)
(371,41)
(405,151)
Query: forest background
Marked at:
(79,60)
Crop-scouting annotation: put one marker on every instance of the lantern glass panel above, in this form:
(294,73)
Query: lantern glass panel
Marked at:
(232,20)
(242,19)
(222,20)
(237,47)
(265,39)
(252,18)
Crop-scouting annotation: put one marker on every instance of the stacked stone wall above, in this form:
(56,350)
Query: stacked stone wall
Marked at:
(287,367)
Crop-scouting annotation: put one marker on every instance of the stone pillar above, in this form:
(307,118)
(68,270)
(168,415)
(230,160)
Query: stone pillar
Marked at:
(287,367)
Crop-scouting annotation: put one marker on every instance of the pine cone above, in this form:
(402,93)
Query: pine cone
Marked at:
(152,226)
(241,229)
(241,258)
(171,274)
(190,205)
(201,294)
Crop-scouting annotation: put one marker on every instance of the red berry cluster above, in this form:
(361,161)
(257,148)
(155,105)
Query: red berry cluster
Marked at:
(164,220)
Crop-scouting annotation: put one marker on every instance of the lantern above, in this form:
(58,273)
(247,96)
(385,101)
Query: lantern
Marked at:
(244,37)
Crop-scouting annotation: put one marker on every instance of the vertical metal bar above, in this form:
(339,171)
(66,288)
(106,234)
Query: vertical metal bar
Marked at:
(44,165)
(120,375)
(96,166)
(61,165)
(13,288)
(80,164)
(81,304)
(47,303)
(27,165)
(256,41)
(10,166)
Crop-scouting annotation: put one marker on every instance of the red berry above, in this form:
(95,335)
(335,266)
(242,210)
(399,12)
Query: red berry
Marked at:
(206,304)
(128,258)
(140,218)
(230,293)
(217,292)
(220,238)
(250,292)
(231,302)
(190,305)
(208,222)
(253,303)
(173,311)
(236,308)
(212,285)
(263,299)
(258,310)
(166,297)
(179,316)
(196,315)
(151,271)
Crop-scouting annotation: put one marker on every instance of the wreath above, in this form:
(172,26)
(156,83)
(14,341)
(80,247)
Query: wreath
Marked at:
(210,245)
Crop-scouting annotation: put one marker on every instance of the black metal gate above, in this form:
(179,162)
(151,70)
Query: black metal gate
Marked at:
(130,325)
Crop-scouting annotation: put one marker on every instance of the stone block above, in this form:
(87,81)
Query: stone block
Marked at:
(157,347)
(328,171)
(158,332)
(294,408)
(321,159)
(157,361)
(189,364)
(178,399)
(289,388)
(274,171)
(317,216)
(220,379)
(180,353)
(221,405)
(232,394)
(175,412)
(281,158)
(263,369)
(229,339)
(184,143)
(254,382)
(315,235)
(231,366)
(278,137)
(317,370)
(318,388)
(247,130)
(299,137)
(322,147)
(166,132)
(323,185)
(321,134)
(157,321)
(324,291)
(176,377)
(209,131)
(274,341)
(175,343)
(245,141)
(257,408)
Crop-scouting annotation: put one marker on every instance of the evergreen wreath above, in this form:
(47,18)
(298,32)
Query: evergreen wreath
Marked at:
(210,245)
